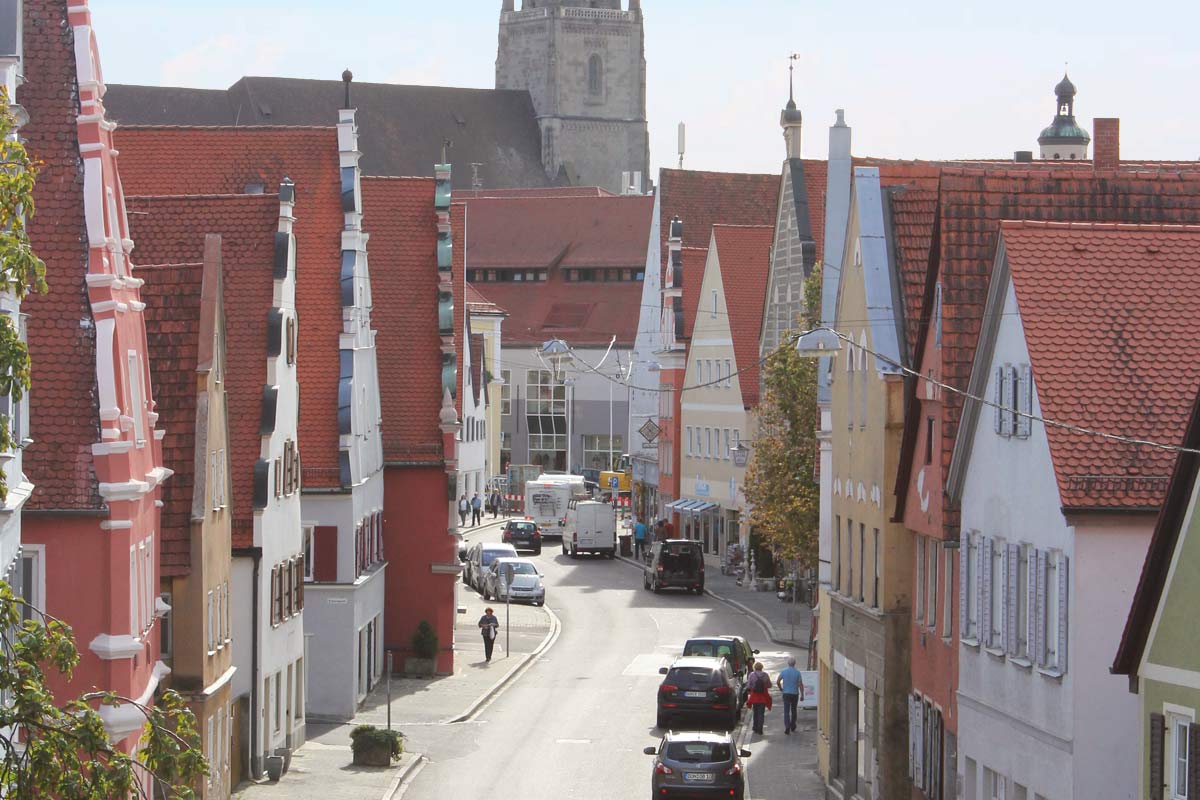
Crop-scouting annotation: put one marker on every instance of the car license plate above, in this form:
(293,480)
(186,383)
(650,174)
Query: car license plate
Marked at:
(695,694)
(698,777)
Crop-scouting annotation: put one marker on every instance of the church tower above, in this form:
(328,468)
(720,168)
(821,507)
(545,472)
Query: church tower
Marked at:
(1064,139)
(583,64)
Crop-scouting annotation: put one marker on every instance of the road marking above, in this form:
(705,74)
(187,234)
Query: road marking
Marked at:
(647,664)
(572,741)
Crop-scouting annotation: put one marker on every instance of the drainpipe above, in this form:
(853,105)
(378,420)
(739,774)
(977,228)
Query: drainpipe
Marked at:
(255,678)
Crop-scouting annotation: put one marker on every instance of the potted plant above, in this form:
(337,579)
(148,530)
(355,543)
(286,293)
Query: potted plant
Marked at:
(375,747)
(423,661)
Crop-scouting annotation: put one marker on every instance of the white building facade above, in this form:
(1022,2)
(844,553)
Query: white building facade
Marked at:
(644,396)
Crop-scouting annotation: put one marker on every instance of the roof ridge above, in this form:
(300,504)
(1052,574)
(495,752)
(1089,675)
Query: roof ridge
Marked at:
(740,225)
(171,264)
(1126,227)
(226,196)
(401,178)
(718,172)
(248,127)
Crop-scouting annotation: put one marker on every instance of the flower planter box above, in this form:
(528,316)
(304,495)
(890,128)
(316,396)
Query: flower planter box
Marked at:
(420,667)
(373,756)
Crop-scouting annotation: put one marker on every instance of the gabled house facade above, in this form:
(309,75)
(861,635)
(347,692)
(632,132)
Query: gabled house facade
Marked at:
(862,706)
(262,391)
(1055,519)
(487,322)
(722,372)
(185,321)
(92,525)
(1159,650)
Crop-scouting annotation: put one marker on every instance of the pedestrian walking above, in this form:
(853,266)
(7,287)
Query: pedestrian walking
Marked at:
(792,688)
(464,508)
(639,539)
(476,509)
(496,500)
(759,699)
(489,626)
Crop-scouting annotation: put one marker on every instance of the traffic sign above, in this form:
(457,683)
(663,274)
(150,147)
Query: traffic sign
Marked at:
(613,482)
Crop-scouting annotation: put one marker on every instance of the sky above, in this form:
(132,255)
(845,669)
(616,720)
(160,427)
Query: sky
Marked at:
(923,79)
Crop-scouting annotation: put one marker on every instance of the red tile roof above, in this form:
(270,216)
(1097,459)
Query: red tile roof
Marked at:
(913,214)
(1107,314)
(558,232)
(172,160)
(172,296)
(545,191)
(170,230)
(744,254)
(477,303)
(477,365)
(972,201)
(694,259)
(64,421)
(398,215)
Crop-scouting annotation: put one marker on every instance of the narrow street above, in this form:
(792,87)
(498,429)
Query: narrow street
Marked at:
(574,724)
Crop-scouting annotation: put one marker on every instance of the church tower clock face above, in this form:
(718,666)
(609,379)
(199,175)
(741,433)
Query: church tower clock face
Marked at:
(583,64)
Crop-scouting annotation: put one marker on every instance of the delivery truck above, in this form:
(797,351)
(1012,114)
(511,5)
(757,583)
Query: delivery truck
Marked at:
(591,528)
(546,504)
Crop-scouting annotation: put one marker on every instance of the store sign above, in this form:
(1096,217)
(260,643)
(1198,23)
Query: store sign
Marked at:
(649,431)
(740,456)
(702,489)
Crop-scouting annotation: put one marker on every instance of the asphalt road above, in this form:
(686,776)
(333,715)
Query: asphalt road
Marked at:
(574,724)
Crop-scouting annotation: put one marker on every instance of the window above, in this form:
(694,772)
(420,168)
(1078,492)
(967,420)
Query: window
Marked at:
(690,449)
(542,395)
(996,592)
(862,560)
(600,453)
(133,591)
(994,785)
(708,443)
(737,438)
(310,533)
(137,408)
(278,701)
(727,444)
(728,373)
(969,576)
(506,392)
(1180,739)
(849,384)
(228,627)
(920,559)
(875,583)
(928,440)
(849,557)
(837,552)
(713,311)
(210,628)
(931,584)
(947,606)
(1026,580)
(33,581)
(595,75)
(165,631)
(1052,616)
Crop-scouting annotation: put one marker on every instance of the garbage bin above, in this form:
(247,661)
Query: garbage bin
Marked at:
(626,540)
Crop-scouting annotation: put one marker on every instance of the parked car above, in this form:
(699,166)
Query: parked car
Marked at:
(480,557)
(697,686)
(736,649)
(523,534)
(698,764)
(526,581)
(676,563)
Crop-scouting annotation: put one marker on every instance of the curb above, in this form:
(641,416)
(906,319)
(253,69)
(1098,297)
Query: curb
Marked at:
(514,672)
(404,778)
(762,621)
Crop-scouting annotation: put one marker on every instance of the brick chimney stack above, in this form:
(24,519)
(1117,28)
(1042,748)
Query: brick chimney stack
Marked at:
(1106,143)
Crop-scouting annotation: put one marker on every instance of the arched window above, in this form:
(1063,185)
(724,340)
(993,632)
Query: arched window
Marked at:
(595,75)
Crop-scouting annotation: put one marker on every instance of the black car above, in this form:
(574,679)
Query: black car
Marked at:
(698,764)
(699,687)
(523,535)
(677,563)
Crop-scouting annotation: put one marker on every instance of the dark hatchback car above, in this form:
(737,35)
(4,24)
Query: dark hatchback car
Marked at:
(698,765)
(676,563)
(735,648)
(699,687)
(523,535)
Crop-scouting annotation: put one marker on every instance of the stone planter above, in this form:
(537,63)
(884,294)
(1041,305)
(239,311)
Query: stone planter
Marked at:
(274,766)
(373,756)
(286,753)
(422,667)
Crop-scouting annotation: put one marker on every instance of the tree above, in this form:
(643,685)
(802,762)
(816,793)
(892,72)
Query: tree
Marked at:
(781,482)
(48,750)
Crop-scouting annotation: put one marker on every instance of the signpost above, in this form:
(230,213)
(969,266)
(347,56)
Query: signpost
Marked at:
(506,573)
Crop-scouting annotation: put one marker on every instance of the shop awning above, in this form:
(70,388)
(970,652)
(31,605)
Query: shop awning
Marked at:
(702,506)
(678,504)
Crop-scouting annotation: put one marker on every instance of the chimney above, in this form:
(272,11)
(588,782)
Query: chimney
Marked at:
(1023,156)
(1106,143)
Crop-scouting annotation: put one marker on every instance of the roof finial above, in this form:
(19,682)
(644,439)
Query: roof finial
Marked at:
(347,76)
(791,87)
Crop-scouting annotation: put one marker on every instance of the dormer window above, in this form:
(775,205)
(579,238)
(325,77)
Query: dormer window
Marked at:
(595,75)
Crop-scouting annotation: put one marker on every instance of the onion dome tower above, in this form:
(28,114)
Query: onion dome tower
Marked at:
(1063,139)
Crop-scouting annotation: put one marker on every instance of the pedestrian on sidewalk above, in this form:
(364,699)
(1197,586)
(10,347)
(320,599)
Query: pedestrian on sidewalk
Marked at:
(476,509)
(464,508)
(760,695)
(792,688)
(639,539)
(489,626)
(496,500)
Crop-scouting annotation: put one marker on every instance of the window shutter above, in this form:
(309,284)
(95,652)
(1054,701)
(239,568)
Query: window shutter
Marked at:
(1025,401)
(1158,725)
(1193,776)
(964,553)
(1040,633)
(1032,615)
(985,600)
(1011,601)
(918,725)
(1063,582)
(912,736)
(999,400)
(1006,400)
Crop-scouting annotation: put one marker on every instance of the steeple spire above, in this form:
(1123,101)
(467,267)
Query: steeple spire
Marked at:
(791,118)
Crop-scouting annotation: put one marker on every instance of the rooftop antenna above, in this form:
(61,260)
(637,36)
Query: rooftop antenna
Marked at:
(446,145)
(682,142)
(476,181)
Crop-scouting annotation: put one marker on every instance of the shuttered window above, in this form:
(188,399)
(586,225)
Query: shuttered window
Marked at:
(920,559)
(1004,376)
(837,553)
(998,400)
(968,602)
(1179,758)
(1025,401)
(1053,605)
(1012,599)
(1193,761)
(985,593)
(1156,772)
(998,593)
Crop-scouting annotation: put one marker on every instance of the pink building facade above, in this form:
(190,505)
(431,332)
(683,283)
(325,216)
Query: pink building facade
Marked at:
(94,516)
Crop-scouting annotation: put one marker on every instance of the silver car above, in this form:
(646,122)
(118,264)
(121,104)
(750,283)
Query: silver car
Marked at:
(526,581)
(479,558)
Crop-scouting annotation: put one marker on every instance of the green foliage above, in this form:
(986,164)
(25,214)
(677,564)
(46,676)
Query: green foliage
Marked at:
(49,750)
(781,483)
(21,271)
(368,737)
(425,641)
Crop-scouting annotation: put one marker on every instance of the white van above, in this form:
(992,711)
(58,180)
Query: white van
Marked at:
(591,528)
(546,504)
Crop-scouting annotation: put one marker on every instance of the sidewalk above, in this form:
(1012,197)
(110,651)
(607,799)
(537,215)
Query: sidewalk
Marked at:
(321,768)
(787,624)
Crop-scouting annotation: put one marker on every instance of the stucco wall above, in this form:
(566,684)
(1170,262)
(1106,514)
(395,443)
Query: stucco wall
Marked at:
(334,614)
